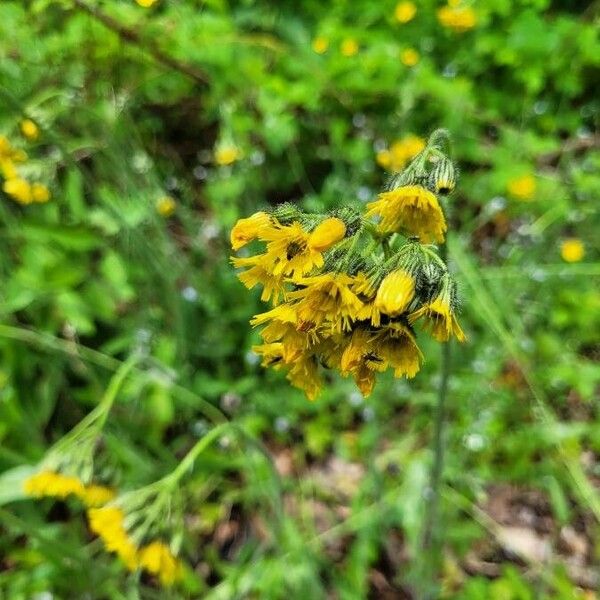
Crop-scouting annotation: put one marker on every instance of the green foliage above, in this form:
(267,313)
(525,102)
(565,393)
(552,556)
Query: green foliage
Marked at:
(299,500)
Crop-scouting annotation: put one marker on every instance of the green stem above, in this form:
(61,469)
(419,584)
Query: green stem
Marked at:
(186,464)
(432,540)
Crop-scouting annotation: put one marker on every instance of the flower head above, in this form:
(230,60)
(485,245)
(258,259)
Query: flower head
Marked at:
(523,187)
(327,233)
(29,129)
(412,209)
(18,189)
(53,484)
(227,155)
(146,3)
(409,57)
(349,47)
(395,292)
(320,44)
(572,250)
(439,315)
(108,522)
(405,12)
(246,230)
(400,152)
(165,206)
(158,560)
(458,18)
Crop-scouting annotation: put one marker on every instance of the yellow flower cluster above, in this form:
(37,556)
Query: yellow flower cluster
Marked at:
(57,485)
(339,303)
(15,186)
(108,523)
(456,17)
(401,151)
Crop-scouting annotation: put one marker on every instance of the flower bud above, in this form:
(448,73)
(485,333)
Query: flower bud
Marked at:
(442,178)
(327,233)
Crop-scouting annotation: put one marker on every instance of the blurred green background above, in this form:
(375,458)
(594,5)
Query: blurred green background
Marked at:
(150,128)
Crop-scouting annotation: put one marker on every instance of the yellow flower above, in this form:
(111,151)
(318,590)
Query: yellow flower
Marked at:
(304,375)
(260,272)
(96,495)
(457,18)
(227,155)
(320,44)
(8,169)
(246,230)
(349,47)
(397,345)
(165,206)
(327,233)
(7,152)
(572,250)
(384,158)
(40,193)
(409,57)
(326,298)
(50,483)
(411,209)
(395,292)
(439,316)
(405,12)
(400,152)
(146,3)
(29,129)
(522,188)
(289,251)
(108,523)
(18,189)
(158,560)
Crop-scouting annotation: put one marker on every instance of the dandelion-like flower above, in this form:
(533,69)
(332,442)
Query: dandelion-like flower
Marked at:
(572,250)
(158,560)
(411,209)
(29,129)
(346,294)
(458,18)
(522,187)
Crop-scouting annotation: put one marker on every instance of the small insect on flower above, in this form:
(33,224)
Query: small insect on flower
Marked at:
(320,44)
(405,12)
(572,250)
(165,206)
(523,187)
(29,129)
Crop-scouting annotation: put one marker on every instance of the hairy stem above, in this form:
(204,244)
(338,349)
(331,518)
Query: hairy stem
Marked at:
(432,540)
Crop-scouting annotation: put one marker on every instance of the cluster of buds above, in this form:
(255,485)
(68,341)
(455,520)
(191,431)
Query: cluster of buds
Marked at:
(348,288)
(15,185)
